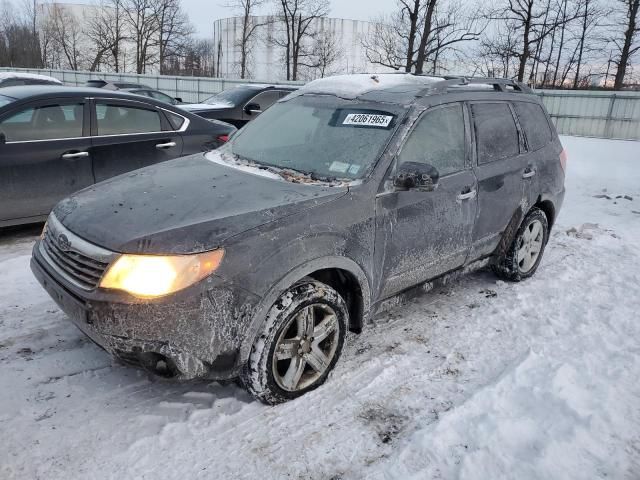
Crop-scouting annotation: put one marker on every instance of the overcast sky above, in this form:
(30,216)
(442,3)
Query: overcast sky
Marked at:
(204,13)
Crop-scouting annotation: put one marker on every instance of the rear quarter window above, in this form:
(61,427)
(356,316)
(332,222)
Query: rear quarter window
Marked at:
(535,124)
(496,132)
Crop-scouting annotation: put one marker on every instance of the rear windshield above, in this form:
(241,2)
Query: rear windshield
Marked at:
(233,96)
(4,100)
(326,137)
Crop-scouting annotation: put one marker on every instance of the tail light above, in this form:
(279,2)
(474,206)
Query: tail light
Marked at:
(563,160)
(223,138)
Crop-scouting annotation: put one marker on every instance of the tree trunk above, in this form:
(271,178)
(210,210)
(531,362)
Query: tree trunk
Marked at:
(561,45)
(525,43)
(426,34)
(413,30)
(628,38)
(583,34)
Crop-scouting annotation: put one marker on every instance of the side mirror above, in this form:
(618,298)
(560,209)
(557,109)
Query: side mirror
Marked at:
(178,99)
(252,109)
(416,176)
(3,138)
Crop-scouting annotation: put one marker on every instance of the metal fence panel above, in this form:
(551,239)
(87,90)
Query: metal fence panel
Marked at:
(582,113)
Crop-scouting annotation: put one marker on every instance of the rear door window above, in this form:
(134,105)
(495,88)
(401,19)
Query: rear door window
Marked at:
(114,119)
(534,122)
(496,132)
(45,122)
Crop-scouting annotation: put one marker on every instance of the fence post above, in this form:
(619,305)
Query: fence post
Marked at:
(608,124)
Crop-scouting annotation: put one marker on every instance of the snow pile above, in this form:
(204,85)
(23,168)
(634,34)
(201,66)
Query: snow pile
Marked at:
(478,380)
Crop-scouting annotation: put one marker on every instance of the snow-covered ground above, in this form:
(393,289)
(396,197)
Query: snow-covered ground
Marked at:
(480,380)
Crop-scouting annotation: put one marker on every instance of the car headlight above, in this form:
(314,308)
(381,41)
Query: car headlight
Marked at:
(149,276)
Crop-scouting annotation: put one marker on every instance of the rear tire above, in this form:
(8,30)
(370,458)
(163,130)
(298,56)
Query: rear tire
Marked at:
(299,345)
(524,255)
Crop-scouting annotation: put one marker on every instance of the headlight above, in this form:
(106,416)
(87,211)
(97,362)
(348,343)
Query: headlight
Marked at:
(149,276)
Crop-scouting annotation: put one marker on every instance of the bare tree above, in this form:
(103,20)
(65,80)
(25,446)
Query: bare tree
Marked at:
(66,34)
(325,54)
(174,31)
(248,31)
(383,45)
(630,44)
(445,28)
(19,45)
(105,31)
(419,33)
(298,17)
(141,19)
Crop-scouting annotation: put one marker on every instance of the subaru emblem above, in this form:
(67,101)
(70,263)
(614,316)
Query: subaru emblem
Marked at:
(63,242)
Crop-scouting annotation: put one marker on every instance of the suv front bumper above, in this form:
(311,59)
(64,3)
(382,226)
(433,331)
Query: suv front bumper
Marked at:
(196,332)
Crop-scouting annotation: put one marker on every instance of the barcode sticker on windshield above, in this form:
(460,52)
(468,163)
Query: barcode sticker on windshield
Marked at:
(368,120)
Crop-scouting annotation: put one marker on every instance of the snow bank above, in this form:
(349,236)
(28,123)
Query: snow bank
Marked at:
(478,380)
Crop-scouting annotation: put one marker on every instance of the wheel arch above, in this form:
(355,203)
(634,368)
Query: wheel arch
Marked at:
(336,271)
(548,208)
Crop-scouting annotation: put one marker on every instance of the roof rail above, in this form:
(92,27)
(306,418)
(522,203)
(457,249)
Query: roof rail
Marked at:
(498,84)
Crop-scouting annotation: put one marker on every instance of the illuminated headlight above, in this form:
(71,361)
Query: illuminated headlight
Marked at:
(149,276)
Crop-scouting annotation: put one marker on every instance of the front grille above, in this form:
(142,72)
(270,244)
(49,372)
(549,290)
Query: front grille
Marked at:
(80,262)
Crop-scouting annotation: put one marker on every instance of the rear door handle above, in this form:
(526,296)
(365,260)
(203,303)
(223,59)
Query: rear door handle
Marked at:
(162,146)
(71,156)
(467,195)
(528,173)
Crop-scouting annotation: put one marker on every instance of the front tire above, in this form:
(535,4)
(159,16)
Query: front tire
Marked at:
(300,344)
(525,253)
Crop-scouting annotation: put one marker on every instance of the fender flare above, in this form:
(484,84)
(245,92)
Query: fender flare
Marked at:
(301,271)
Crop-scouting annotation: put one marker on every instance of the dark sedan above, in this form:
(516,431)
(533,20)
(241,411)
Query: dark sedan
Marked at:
(57,140)
(137,88)
(239,105)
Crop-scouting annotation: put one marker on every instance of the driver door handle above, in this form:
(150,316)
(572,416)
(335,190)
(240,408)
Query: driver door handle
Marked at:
(72,156)
(467,195)
(529,172)
(162,146)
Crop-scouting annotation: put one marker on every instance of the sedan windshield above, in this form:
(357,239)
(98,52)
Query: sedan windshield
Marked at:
(321,136)
(233,96)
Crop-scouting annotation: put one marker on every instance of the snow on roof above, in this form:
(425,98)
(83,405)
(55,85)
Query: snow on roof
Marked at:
(351,86)
(32,76)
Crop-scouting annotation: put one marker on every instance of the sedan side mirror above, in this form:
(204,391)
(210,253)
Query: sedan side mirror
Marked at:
(178,99)
(416,176)
(252,109)
(3,138)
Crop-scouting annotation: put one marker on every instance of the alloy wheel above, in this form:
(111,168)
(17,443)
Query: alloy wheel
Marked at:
(306,347)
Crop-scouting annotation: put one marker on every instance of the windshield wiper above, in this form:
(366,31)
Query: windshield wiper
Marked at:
(291,174)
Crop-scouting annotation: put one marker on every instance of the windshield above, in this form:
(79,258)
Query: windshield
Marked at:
(325,137)
(232,96)
(4,100)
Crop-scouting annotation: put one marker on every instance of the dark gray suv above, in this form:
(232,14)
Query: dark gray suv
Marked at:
(254,260)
